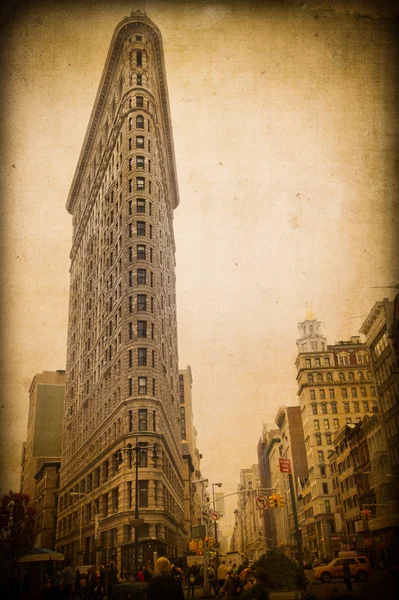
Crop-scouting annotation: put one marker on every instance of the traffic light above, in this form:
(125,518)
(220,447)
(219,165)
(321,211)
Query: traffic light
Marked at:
(273,501)
(207,541)
(280,501)
(210,541)
(364,514)
(369,514)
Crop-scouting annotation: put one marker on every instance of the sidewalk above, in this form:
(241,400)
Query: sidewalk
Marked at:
(198,593)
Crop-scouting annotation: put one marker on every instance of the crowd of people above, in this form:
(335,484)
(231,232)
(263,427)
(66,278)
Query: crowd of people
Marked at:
(227,581)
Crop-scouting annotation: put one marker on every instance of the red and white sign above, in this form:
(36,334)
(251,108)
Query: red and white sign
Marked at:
(285,465)
(215,515)
(261,502)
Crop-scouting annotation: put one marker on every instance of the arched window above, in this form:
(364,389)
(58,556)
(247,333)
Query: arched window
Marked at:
(310,378)
(351,377)
(329,377)
(369,375)
(360,376)
(341,377)
(139,59)
(140,122)
(319,378)
(318,439)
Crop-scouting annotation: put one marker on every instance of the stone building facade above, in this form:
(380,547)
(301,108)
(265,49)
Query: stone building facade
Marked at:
(122,387)
(335,387)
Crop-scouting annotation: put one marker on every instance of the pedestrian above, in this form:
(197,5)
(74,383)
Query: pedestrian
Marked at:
(164,586)
(212,580)
(222,574)
(191,582)
(102,580)
(91,583)
(76,587)
(140,575)
(147,573)
(112,579)
(56,583)
(347,575)
(229,588)
(66,580)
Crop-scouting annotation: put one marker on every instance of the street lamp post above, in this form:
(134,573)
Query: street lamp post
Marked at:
(96,522)
(216,526)
(138,451)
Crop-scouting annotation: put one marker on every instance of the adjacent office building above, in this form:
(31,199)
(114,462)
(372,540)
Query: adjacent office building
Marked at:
(335,387)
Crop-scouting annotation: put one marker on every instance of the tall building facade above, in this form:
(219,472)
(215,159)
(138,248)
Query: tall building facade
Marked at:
(43,438)
(335,387)
(122,357)
(248,529)
(292,447)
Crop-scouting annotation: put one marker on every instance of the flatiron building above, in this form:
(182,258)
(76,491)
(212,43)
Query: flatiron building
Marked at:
(122,387)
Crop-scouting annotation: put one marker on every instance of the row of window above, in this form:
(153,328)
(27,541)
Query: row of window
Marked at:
(318,377)
(344,394)
(346,406)
(343,359)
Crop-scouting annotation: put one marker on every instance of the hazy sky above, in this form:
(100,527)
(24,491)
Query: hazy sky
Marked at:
(285,139)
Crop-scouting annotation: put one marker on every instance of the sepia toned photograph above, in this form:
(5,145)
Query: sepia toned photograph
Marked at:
(200,300)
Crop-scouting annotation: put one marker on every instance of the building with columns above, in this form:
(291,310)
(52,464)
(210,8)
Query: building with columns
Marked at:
(335,387)
(122,388)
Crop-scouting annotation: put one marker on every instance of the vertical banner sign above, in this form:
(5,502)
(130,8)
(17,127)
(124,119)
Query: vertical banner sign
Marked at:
(285,465)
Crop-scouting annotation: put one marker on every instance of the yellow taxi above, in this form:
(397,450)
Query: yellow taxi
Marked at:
(360,568)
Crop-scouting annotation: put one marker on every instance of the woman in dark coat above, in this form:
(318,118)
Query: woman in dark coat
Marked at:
(164,585)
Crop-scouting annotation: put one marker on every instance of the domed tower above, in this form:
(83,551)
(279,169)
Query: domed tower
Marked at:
(311,338)
(122,358)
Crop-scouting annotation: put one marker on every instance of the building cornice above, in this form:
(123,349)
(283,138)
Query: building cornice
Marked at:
(122,30)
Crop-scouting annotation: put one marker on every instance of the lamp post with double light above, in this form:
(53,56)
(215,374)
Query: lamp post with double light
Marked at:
(136,455)
(96,522)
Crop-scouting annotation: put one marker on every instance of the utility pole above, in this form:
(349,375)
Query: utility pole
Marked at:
(206,589)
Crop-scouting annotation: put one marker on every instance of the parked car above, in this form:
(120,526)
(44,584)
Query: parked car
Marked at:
(360,569)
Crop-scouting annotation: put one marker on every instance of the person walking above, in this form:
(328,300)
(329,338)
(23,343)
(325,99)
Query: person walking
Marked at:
(66,580)
(76,588)
(222,574)
(164,586)
(212,580)
(347,575)
(112,579)
(229,588)
(191,582)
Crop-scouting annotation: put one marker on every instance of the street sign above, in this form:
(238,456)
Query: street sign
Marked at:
(285,465)
(214,515)
(261,502)
(198,531)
